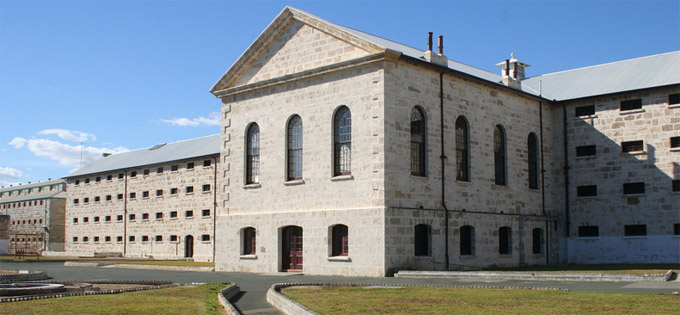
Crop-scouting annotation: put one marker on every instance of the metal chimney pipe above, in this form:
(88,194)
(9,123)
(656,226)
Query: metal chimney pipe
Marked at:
(441,45)
(429,41)
(514,72)
(507,67)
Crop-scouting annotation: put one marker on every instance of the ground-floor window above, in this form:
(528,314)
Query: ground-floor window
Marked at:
(339,246)
(422,240)
(538,241)
(505,241)
(248,241)
(467,240)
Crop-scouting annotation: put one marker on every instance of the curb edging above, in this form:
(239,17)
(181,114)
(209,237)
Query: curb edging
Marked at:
(225,295)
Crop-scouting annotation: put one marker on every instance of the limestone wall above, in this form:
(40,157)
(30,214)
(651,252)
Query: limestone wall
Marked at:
(142,207)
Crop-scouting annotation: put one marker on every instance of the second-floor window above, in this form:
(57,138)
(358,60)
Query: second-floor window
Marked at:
(253,154)
(342,142)
(295,148)
(418,134)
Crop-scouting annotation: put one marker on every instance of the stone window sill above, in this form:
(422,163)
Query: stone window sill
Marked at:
(587,238)
(587,157)
(631,111)
(175,218)
(252,186)
(294,182)
(586,197)
(633,195)
(674,106)
(248,257)
(429,257)
(675,149)
(342,178)
(505,255)
(463,182)
(587,116)
(468,256)
(635,237)
(635,152)
(205,242)
(190,194)
(339,258)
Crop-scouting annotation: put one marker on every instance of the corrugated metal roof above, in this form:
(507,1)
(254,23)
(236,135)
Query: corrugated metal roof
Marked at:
(34,196)
(620,76)
(181,150)
(32,185)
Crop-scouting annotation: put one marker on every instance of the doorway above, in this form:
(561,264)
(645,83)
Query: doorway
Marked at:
(188,246)
(291,249)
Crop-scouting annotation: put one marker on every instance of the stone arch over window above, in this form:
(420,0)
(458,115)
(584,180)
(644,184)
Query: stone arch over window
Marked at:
(418,142)
(253,154)
(538,241)
(499,157)
(294,148)
(505,240)
(339,240)
(422,240)
(248,241)
(532,149)
(467,240)
(462,149)
(342,141)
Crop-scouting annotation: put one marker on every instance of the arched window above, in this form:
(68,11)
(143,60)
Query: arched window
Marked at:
(499,155)
(295,148)
(532,147)
(342,148)
(538,241)
(462,151)
(340,245)
(253,154)
(248,241)
(467,240)
(418,133)
(505,241)
(422,240)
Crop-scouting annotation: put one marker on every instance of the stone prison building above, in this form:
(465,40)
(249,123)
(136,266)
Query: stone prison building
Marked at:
(343,153)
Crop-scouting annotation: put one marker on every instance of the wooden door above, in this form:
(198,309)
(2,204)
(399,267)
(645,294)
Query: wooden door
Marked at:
(292,248)
(189,246)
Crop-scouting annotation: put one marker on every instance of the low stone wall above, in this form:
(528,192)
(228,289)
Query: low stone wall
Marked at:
(225,295)
(10,277)
(284,304)
(153,285)
(136,266)
(537,276)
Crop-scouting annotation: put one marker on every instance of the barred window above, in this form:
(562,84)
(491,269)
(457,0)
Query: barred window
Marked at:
(532,147)
(505,241)
(586,150)
(253,154)
(631,104)
(585,110)
(462,150)
(589,231)
(418,133)
(295,148)
(342,148)
(632,146)
(248,241)
(635,230)
(499,155)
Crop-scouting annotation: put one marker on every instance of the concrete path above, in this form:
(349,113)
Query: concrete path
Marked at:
(254,286)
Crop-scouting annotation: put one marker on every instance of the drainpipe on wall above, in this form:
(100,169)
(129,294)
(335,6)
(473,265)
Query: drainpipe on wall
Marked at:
(442,158)
(125,216)
(566,167)
(214,241)
(46,232)
(547,226)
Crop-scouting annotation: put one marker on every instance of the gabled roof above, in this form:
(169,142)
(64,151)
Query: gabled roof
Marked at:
(608,78)
(364,40)
(157,154)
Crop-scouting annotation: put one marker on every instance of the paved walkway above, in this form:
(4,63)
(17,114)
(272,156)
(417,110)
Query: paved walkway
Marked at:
(254,286)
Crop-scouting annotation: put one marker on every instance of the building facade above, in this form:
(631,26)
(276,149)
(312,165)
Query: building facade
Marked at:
(36,216)
(348,154)
(155,203)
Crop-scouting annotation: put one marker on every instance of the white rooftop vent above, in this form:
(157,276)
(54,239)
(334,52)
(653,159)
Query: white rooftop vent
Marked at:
(512,71)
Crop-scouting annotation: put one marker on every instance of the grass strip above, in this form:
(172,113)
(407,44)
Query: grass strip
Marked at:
(188,299)
(441,300)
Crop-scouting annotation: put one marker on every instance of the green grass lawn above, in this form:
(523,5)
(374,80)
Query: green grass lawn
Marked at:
(633,269)
(199,299)
(115,260)
(424,300)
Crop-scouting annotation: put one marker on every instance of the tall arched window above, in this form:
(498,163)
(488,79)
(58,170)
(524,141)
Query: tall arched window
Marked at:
(340,244)
(467,240)
(499,155)
(462,151)
(253,154)
(295,148)
(505,240)
(342,148)
(418,133)
(422,240)
(532,147)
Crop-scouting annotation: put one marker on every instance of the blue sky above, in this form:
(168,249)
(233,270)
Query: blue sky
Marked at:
(123,75)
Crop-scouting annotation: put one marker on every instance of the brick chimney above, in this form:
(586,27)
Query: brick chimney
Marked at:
(436,58)
(512,71)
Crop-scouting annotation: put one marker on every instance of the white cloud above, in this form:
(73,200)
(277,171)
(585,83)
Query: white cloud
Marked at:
(67,154)
(213,119)
(9,175)
(69,135)
(17,142)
